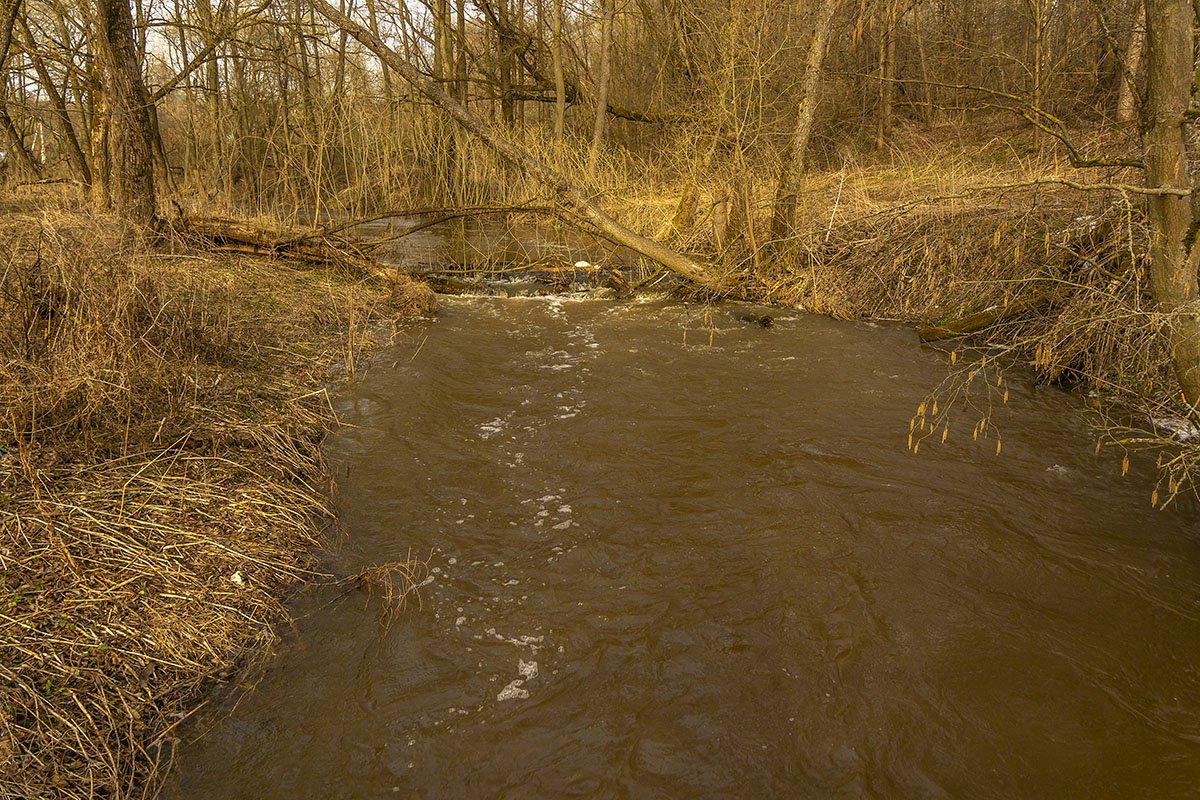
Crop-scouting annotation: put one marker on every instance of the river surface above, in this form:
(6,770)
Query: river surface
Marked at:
(679,558)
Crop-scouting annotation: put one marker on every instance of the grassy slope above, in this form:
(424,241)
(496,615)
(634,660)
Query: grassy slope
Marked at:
(161,483)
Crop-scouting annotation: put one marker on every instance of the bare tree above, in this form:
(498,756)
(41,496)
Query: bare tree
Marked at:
(792,164)
(603,82)
(123,129)
(1169,162)
(570,195)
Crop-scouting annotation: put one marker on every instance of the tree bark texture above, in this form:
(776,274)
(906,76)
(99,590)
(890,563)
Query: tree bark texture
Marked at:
(1174,252)
(127,138)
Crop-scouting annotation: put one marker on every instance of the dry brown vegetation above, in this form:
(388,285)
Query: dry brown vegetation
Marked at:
(976,169)
(161,482)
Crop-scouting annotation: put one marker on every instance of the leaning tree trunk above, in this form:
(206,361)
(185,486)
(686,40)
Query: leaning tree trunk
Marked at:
(564,191)
(127,140)
(784,216)
(1174,249)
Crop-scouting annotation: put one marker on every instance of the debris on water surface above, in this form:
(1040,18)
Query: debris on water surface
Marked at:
(513,691)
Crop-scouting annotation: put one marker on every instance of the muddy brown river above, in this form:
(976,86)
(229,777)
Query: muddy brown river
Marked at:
(668,567)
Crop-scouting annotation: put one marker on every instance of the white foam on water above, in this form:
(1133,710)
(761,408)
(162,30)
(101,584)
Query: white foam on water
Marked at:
(524,640)
(513,691)
(492,427)
(1181,429)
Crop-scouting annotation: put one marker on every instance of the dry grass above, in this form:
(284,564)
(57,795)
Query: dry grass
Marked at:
(161,482)
(926,238)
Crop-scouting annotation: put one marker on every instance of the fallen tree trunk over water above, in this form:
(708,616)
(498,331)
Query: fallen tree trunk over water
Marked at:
(981,320)
(567,193)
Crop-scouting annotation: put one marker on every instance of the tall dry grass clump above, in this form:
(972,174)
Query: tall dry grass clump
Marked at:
(93,335)
(161,483)
(1030,274)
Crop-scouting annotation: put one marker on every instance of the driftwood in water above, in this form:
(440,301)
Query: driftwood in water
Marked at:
(566,192)
(981,320)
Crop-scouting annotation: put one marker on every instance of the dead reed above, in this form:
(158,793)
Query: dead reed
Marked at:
(161,482)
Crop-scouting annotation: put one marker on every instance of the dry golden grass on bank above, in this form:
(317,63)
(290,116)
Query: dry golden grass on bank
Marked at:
(1061,276)
(161,481)
(952,231)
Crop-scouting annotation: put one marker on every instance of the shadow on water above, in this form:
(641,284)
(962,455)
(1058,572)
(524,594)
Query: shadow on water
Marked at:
(671,561)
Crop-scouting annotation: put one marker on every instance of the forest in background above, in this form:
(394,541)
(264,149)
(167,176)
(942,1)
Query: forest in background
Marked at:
(1013,177)
(915,160)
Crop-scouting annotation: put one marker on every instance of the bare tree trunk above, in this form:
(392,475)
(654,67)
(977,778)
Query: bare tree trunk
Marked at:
(460,62)
(208,35)
(927,115)
(18,152)
(887,71)
(784,215)
(1132,59)
(383,69)
(339,73)
(602,81)
(507,52)
(126,123)
(57,101)
(560,80)
(567,194)
(1174,252)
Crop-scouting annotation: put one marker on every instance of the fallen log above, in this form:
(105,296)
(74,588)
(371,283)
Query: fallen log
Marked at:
(986,318)
(303,245)
(310,245)
(565,192)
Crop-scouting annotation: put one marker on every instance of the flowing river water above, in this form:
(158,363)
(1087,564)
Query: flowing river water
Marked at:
(680,558)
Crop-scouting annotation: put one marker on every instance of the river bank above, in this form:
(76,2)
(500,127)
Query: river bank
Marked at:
(162,485)
(162,476)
